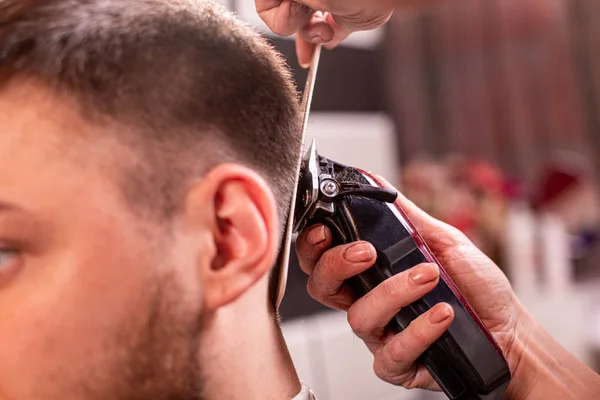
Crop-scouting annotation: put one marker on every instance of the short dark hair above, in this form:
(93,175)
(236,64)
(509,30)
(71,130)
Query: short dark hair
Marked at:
(195,85)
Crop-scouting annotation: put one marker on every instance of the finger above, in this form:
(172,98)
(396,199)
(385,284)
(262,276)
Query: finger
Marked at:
(366,20)
(326,284)
(417,377)
(283,17)
(305,51)
(369,316)
(339,32)
(317,30)
(310,246)
(396,361)
(451,247)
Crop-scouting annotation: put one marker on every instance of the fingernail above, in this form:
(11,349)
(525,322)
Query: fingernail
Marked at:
(316,235)
(439,315)
(424,273)
(360,252)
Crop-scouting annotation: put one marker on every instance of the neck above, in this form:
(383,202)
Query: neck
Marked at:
(245,356)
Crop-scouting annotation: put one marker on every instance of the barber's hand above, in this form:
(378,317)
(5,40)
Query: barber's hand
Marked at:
(325,22)
(478,278)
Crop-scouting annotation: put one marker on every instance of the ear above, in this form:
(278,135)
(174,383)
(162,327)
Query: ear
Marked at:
(240,211)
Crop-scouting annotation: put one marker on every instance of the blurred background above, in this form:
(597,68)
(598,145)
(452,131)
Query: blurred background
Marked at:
(486,113)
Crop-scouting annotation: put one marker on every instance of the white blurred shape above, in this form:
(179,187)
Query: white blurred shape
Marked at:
(365,141)
(520,248)
(341,367)
(556,255)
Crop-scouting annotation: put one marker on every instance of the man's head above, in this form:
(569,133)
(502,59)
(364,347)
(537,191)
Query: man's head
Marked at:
(146,148)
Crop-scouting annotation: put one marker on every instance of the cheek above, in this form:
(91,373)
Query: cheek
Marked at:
(68,316)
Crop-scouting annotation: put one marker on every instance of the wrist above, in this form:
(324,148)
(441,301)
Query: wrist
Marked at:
(541,368)
(519,357)
(521,363)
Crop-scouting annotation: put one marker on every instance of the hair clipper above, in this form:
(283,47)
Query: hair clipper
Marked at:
(466,361)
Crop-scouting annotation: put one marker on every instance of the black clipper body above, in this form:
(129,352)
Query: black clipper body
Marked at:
(466,361)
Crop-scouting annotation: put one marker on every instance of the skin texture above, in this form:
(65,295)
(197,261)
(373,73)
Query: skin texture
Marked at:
(540,367)
(99,303)
(320,22)
(394,355)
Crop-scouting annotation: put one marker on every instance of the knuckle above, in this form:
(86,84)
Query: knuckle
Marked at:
(357,323)
(392,291)
(300,9)
(330,261)
(397,370)
(328,258)
(409,381)
(396,352)
(380,370)
(363,20)
(416,334)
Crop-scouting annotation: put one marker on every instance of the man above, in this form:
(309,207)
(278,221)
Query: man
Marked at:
(147,156)
(541,368)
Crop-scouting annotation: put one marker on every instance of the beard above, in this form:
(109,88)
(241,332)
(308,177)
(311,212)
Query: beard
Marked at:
(156,356)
